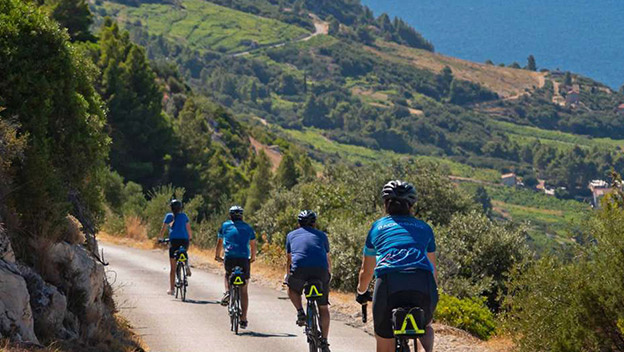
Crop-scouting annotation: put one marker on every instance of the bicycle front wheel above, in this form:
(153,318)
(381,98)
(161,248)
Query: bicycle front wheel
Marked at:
(178,283)
(237,310)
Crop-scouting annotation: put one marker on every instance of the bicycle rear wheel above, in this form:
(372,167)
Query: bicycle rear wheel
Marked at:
(237,310)
(178,283)
(183,282)
(402,345)
(313,328)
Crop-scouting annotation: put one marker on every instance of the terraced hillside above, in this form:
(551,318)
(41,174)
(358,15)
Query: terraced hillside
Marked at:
(202,25)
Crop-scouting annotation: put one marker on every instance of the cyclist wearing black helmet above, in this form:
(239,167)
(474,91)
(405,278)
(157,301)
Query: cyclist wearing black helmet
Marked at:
(308,259)
(179,236)
(400,252)
(235,239)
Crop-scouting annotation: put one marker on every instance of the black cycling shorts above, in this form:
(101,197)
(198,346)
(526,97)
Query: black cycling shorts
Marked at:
(175,244)
(299,277)
(402,289)
(231,263)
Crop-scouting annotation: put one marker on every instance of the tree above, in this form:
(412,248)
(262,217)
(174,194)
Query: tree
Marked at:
(567,81)
(364,35)
(445,78)
(622,89)
(489,62)
(551,297)
(142,134)
(260,188)
(515,65)
(47,90)
(287,173)
(334,25)
(482,197)
(73,15)
(531,65)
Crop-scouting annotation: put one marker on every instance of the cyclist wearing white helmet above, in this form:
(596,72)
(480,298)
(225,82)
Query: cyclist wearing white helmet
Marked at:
(400,252)
(237,240)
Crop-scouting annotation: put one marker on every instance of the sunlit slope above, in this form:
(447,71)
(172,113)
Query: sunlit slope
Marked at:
(507,82)
(202,25)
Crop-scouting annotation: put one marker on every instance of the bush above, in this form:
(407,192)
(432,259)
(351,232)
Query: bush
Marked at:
(470,314)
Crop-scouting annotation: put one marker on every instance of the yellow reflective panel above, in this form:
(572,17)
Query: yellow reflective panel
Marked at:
(409,317)
(238,281)
(313,292)
(182,257)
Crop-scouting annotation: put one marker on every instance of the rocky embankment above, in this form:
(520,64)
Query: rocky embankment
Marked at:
(64,295)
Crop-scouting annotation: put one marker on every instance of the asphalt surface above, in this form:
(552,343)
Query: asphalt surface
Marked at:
(140,280)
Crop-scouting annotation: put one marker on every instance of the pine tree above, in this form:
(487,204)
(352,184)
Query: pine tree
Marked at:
(260,188)
(568,79)
(483,198)
(287,173)
(73,15)
(334,25)
(141,133)
(531,65)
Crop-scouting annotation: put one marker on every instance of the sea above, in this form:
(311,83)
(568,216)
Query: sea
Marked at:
(582,36)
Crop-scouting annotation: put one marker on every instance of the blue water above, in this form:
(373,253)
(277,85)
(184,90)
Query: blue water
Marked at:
(583,36)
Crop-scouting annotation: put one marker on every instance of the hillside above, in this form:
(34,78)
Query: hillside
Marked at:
(363,94)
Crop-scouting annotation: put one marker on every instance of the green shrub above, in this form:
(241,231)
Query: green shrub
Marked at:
(158,206)
(470,314)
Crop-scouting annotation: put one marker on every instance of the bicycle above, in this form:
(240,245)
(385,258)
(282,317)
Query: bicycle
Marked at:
(406,325)
(237,280)
(313,291)
(181,282)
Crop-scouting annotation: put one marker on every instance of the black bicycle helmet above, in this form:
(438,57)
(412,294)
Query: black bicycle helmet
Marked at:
(175,204)
(306,218)
(397,189)
(236,211)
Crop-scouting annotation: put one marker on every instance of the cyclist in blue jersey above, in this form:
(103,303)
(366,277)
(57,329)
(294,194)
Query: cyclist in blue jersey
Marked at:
(400,252)
(235,239)
(308,259)
(180,235)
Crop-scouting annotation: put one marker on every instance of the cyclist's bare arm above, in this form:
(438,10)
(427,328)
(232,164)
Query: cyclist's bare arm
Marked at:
(162,230)
(253,247)
(288,262)
(189,231)
(432,259)
(218,249)
(329,263)
(366,273)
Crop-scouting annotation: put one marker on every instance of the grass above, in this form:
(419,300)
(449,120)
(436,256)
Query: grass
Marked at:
(558,139)
(359,154)
(502,80)
(203,25)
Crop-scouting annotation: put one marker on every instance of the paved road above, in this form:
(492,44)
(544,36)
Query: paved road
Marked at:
(169,325)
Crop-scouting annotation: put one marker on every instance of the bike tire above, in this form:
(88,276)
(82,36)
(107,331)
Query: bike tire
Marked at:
(183,283)
(231,310)
(313,328)
(237,310)
(402,345)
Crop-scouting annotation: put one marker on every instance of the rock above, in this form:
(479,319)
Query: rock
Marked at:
(6,251)
(49,307)
(16,319)
(82,280)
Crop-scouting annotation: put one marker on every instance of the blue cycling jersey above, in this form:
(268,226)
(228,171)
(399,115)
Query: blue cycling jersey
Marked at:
(236,236)
(400,243)
(308,247)
(177,230)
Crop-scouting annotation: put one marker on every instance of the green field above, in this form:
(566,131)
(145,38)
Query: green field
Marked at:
(202,25)
(561,140)
(354,153)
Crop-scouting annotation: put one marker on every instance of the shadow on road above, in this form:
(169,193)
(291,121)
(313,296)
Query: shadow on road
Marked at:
(192,301)
(260,334)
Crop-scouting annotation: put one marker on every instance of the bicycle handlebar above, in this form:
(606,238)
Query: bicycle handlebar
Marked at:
(163,240)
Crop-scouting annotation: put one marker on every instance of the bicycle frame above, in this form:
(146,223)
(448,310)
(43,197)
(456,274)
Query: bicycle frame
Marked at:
(312,330)
(181,281)
(234,306)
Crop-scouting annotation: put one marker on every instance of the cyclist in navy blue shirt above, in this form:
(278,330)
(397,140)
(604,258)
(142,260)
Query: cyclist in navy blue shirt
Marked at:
(237,240)
(180,235)
(400,252)
(308,259)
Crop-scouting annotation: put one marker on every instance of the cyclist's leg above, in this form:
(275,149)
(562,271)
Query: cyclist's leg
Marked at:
(382,316)
(323,303)
(245,265)
(173,247)
(295,288)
